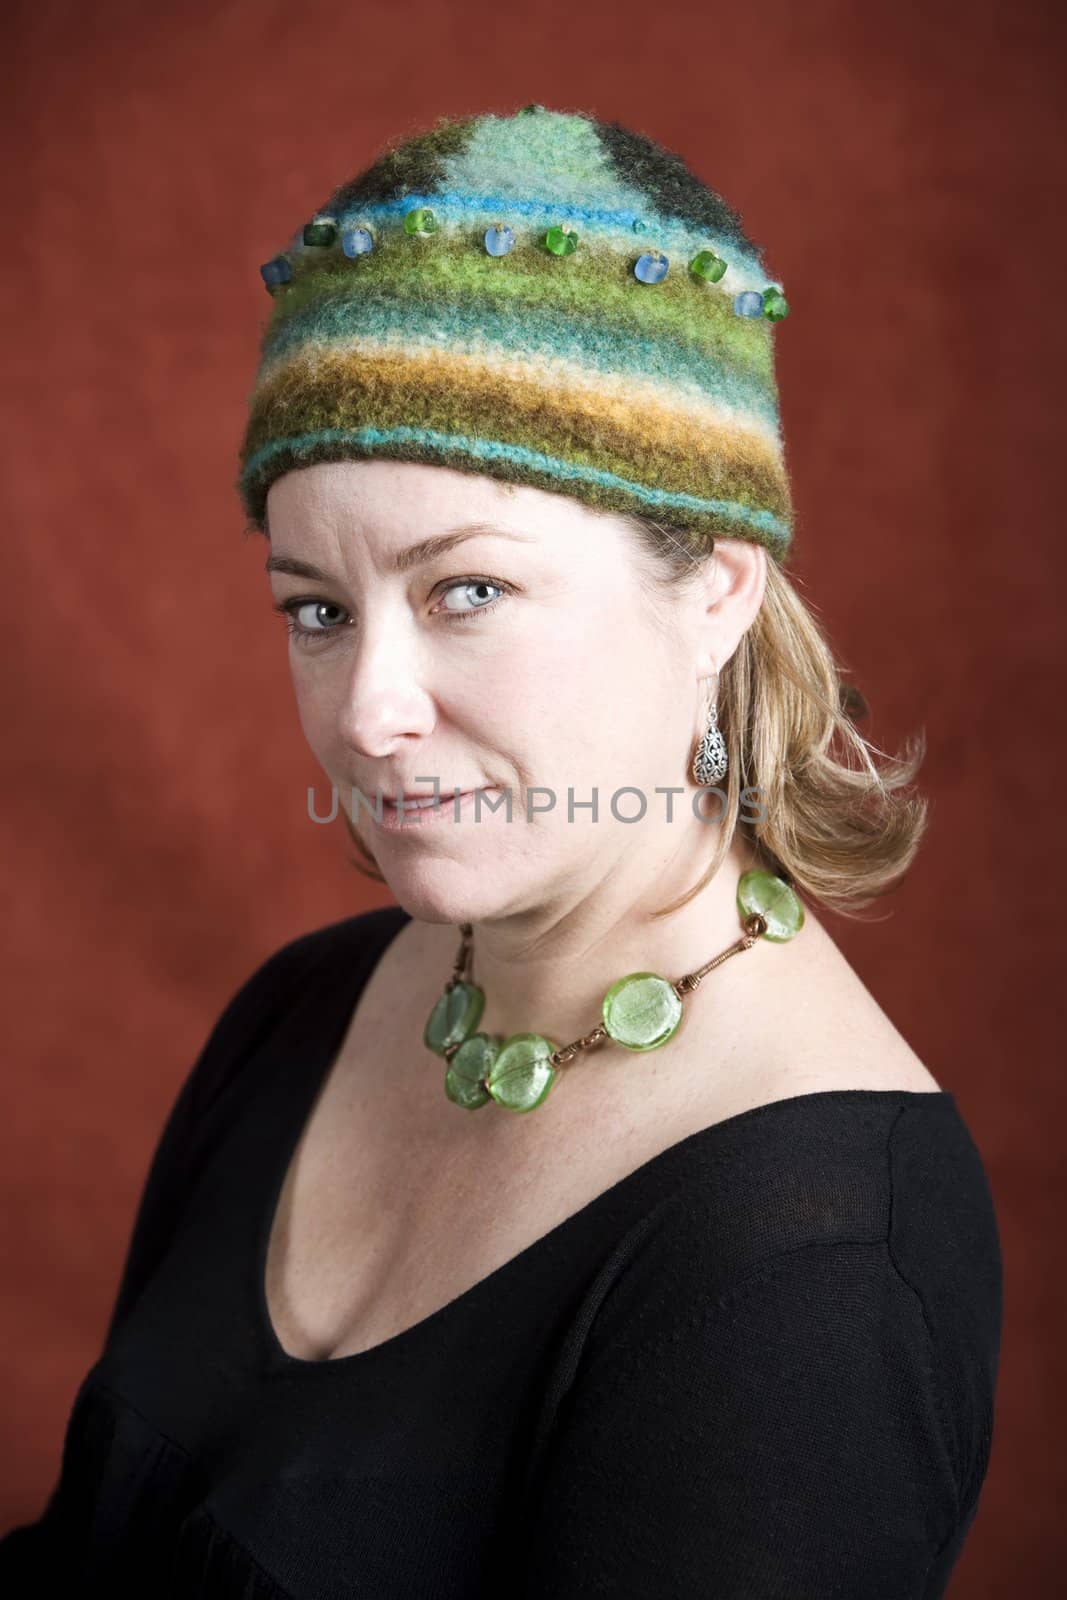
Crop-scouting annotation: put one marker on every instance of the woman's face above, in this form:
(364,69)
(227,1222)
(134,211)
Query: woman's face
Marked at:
(536,662)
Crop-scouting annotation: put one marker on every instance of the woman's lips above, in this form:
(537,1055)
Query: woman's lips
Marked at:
(448,808)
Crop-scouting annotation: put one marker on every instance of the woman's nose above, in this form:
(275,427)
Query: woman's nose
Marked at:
(384,697)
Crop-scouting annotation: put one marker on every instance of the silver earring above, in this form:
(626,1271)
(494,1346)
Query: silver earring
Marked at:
(710,761)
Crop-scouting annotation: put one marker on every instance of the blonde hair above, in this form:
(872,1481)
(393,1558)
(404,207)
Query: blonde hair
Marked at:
(832,819)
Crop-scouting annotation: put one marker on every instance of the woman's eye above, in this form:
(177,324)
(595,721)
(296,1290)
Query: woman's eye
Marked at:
(456,614)
(308,630)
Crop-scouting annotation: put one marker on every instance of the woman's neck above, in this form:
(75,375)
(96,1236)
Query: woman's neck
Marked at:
(548,971)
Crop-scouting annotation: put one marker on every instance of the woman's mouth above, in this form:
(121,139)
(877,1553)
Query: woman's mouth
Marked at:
(431,811)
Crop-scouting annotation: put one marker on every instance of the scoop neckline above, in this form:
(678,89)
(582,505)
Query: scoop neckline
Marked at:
(279,1360)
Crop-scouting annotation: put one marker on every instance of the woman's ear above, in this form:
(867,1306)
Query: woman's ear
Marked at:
(729,598)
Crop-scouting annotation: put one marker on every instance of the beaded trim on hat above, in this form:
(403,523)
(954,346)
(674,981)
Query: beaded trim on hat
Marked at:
(422,216)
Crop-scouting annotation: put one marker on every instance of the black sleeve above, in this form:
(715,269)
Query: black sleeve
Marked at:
(251,1013)
(788,1440)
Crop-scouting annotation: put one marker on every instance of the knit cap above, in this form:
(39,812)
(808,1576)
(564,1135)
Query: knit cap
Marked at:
(540,297)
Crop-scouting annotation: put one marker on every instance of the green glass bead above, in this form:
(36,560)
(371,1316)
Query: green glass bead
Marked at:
(420,220)
(561,240)
(640,225)
(454,1017)
(774,900)
(521,1076)
(708,265)
(469,1067)
(320,232)
(775,304)
(642,1011)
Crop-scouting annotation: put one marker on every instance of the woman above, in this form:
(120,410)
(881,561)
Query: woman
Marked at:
(517,1237)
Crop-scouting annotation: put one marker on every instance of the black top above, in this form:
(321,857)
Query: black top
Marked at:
(762,1364)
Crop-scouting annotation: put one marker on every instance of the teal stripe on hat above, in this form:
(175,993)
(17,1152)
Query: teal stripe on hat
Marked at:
(487,450)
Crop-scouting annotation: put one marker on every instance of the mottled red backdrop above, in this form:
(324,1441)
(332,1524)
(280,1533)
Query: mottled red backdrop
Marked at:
(900,164)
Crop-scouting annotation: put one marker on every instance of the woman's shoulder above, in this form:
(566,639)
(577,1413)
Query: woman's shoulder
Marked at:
(874,1202)
(822,1126)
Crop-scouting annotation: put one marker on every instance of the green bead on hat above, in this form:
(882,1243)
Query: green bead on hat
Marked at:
(775,304)
(320,232)
(561,239)
(420,220)
(707,265)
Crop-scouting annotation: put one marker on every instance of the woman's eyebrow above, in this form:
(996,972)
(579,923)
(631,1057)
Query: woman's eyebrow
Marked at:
(419,555)
(416,555)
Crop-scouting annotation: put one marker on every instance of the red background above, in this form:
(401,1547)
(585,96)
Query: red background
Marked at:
(900,165)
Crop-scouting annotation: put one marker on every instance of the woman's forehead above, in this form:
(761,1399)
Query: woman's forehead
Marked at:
(391,502)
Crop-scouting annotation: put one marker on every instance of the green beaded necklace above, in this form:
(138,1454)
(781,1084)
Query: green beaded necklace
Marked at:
(640,1012)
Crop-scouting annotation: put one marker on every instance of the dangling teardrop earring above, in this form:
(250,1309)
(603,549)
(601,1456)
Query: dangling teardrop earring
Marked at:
(710,761)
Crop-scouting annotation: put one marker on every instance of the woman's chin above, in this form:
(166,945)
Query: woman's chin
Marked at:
(439,891)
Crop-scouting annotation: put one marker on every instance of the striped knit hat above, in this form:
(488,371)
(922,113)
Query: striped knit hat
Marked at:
(538,297)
